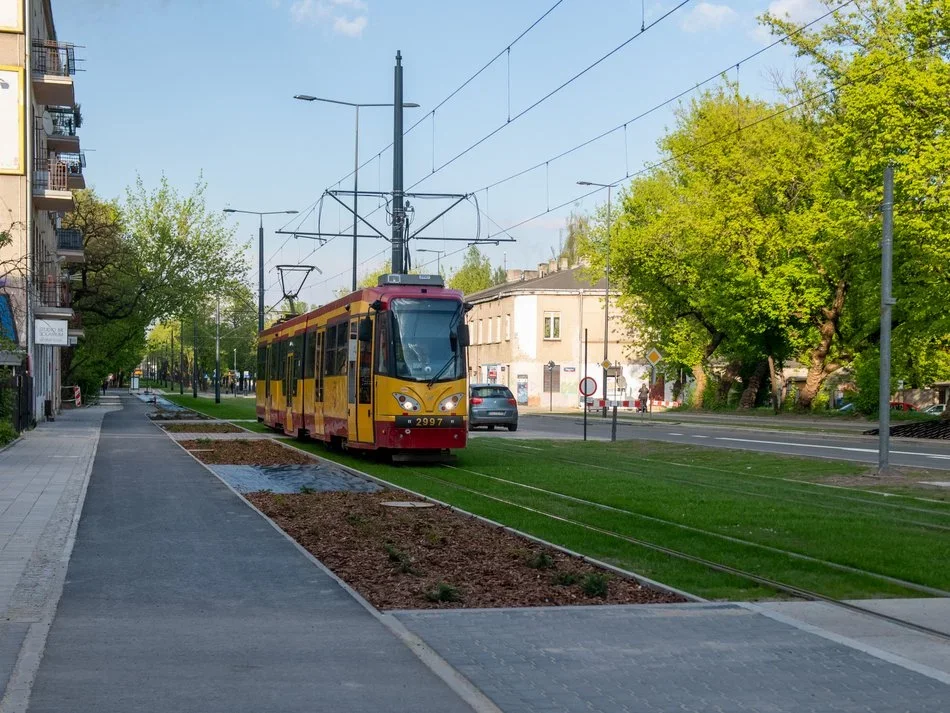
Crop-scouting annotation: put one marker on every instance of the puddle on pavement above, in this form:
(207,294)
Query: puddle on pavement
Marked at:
(291,478)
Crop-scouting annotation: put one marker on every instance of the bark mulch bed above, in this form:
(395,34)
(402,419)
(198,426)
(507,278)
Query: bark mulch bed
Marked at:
(202,428)
(397,558)
(259,451)
(178,415)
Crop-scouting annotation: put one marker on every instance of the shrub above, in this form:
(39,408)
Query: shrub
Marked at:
(444,592)
(565,579)
(7,433)
(595,585)
(307,490)
(541,560)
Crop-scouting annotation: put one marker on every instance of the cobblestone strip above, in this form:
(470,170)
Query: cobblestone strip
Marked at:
(42,486)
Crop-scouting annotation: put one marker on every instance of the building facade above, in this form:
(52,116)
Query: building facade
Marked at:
(529,332)
(40,166)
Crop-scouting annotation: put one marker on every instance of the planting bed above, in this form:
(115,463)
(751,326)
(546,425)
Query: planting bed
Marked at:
(433,557)
(260,451)
(211,427)
(178,415)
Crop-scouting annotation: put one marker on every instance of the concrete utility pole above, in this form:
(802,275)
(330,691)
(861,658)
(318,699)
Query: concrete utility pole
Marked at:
(194,359)
(181,360)
(887,302)
(399,212)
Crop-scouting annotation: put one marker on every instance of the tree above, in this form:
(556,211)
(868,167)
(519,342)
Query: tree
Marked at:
(881,80)
(474,275)
(705,248)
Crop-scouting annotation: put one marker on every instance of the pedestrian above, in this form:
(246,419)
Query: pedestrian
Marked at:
(105,386)
(644,397)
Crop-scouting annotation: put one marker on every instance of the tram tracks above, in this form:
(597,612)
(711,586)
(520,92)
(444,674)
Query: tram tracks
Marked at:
(773,584)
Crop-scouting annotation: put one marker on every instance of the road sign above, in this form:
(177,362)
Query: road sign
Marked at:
(588,386)
(654,357)
(605,363)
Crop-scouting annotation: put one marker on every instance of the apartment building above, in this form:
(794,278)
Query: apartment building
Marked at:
(41,164)
(528,334)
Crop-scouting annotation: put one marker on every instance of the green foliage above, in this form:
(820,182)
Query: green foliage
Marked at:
(566,579)
(443,592)
(541,560)
(474,275)
(7,433)
(307,490)
(595,584)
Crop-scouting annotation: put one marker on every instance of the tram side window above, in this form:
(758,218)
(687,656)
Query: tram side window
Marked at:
(268,368)
(261,361)
(319,357)
(308,351)
(342,347)
(383,344)
(298,363)
(281,359)
(329,351)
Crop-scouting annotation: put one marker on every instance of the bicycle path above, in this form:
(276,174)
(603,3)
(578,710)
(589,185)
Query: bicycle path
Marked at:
(179,597)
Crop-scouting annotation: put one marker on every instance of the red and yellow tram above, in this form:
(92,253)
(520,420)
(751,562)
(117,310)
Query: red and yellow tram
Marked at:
(382,368)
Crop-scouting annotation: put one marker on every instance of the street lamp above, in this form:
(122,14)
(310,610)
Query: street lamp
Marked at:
(356,158)
(438,257)
(608,186)
(260,260)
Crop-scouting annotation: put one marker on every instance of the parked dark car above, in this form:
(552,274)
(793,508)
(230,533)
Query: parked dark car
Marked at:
(492,405)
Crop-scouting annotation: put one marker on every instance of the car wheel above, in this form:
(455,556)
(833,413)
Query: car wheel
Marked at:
(512,426)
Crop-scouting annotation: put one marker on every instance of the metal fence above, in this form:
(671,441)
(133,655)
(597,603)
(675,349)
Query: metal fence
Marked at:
(16,395)
(69,239)
(50,57)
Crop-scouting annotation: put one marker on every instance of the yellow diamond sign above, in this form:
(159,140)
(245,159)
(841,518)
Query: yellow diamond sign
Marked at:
(654,357)
(605,363)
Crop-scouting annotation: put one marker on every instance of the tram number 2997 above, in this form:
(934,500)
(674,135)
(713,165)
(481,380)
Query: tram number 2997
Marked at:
(428,421)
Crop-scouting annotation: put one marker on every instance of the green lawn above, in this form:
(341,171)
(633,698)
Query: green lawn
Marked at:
(745,510)
(229,408)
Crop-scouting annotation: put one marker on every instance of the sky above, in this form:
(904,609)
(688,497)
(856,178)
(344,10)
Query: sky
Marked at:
(203,90)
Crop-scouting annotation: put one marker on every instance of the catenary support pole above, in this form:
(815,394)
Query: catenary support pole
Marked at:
(613,424)
(607,302)
(398,207)
(181,360)
(194,359)
(887,302)
(260,275)
(356,195)
(217,351)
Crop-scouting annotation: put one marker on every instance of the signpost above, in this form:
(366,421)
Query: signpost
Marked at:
(654,357)
(550,366)
(585,378)
(587,387)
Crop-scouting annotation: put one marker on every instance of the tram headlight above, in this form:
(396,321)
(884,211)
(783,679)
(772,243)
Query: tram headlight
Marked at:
(450,403)
(406,403)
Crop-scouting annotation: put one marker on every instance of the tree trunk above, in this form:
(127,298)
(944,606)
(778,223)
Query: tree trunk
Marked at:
(818,370)
(776,397)
(727,381)
(699,387)
(747,400)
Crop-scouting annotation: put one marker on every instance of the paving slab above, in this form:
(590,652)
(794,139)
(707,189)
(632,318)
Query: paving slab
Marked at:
(181,598)
(696,658)
(322,477)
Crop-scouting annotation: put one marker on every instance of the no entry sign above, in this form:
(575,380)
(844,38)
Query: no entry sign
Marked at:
(587,386)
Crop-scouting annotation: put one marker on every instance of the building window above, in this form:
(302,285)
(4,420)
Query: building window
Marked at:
(479,340)
(497,329)
(489,340)
(552,325)
(507,327)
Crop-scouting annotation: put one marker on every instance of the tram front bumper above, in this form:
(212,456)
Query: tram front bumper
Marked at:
(388,435)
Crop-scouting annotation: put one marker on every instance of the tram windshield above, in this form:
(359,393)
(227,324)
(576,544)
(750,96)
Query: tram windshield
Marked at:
(425,339)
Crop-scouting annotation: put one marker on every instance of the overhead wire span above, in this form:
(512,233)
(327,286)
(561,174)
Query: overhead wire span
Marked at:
(814,97)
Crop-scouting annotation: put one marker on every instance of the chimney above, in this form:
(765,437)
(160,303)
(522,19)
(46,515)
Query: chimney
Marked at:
(513,276)
(563,264)
(542,269)
(552,266)
(529,275)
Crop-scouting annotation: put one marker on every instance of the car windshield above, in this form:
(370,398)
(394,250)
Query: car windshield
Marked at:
(491,392)
(421,339)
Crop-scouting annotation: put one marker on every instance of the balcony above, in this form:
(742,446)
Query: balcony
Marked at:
(51,185)
(75,163)
(60,124)
(75,327)
(51,299)
(69,244)
(53,66)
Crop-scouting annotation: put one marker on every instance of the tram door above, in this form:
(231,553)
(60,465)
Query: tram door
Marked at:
(290,391)
(360,382)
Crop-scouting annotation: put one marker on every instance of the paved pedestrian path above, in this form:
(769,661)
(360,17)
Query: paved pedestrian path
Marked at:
(42,478)
(693,658)
(181,598)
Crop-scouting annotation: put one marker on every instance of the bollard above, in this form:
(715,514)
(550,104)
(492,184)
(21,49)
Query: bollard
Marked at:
(613,424)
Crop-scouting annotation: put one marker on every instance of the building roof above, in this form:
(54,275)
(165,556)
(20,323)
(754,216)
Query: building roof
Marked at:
(569,280)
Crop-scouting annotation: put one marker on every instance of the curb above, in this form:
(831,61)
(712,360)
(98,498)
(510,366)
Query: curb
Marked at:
(459,685)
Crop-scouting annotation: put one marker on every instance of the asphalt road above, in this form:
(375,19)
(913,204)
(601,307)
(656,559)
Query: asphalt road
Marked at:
(853,447)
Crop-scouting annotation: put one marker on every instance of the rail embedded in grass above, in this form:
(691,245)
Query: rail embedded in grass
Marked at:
(229,409)
(761,532)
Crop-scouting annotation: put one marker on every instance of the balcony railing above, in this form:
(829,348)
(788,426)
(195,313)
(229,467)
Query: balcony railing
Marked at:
(63,119)
(50,174)
(69,239)
(52,292)
(56,58)
(75,163)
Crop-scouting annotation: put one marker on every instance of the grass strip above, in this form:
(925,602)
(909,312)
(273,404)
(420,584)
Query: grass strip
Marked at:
(233,408)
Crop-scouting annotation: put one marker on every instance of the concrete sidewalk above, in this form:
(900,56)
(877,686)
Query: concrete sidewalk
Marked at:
(42,480)
(181,598)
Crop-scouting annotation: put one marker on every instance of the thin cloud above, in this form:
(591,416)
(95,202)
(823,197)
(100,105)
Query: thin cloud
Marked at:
(708,16)
(344,17)
(797,11)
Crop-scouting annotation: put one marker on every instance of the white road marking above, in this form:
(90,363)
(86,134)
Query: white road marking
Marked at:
(939,456)
(674,434)
(696,435)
